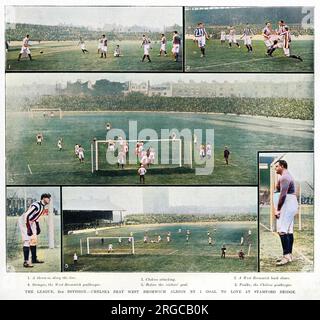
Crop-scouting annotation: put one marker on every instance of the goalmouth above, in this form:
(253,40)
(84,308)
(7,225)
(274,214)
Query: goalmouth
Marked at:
(107,245)
(46,112)
(166,152)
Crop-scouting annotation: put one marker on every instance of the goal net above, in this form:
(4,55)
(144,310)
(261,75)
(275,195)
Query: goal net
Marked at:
(46,113)
(159,153)
(107,245)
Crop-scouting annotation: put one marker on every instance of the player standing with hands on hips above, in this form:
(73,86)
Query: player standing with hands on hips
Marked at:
(285,209)
(30,229)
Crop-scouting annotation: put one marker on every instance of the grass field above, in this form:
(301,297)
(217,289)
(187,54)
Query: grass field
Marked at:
(176,256)
(67,56)
(220,58)
(29,163)
(52,257)
(303,247)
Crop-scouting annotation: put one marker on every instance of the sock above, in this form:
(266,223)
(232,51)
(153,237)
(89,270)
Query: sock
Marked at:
(33,250)
(177,56)
(271,51)
(248,47)
(237,44)
(144,56)
(291,240)
(230,44)
(26,251)
(284,243)
(148,58)
(251,49)
(165,52)
(204,49)
(29,55)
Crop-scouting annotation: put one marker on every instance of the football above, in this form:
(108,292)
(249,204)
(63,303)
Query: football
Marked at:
(41,51)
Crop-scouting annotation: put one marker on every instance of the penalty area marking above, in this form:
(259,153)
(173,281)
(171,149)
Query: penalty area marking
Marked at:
(173,252)
(29,169)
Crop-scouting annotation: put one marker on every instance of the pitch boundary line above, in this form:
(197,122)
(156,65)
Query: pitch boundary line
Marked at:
(173,252)
(29,169)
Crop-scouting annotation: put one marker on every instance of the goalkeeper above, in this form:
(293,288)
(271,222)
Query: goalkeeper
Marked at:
(30,229)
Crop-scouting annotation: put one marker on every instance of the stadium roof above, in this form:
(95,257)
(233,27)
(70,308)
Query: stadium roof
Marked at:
(90,203)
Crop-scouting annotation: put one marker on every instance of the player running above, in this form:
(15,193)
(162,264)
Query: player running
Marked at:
(285,45)
(163,45)
(25,49)
(81,154)
(146,45)
(30,229)
(232,37)
(267,35)
(246,36)
(200,35)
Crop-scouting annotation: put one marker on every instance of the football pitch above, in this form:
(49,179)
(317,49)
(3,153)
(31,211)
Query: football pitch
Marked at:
(67,56)
(178,255)
(303,247)
(220,58)
(32,164)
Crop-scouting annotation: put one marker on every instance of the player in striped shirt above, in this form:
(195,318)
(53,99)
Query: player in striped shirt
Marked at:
(176,41)
(30,229)
(232,37)
(286,45)
(163,45)
(247,34)
(267,33)
(25,50)
(201,35)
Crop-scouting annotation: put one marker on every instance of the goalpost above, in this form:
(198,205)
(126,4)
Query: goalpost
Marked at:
(107,245)
(167,152)
(45,112)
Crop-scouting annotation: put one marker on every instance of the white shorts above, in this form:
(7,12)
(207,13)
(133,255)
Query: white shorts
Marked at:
(176,48)
(268,43)
(111,148)
(287,213)
(201,41)
(39,140)
(232,39)
(286,52)
(83,47)
(23,229)
(99,46)
(104,49)
(223,38)
(146,49)
(247,40)
(25,51)
(163,47)
(81,155)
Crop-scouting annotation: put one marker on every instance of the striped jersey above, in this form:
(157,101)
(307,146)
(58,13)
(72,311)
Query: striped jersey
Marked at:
(266,31)
(247,32)
(286,38)
(34,212)
(200,32)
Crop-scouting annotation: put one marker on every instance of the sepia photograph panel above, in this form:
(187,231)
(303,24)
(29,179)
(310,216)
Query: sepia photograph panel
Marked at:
(164,229)
(286,211)
(249,39)
(57,38)
(152,129)
(33,229)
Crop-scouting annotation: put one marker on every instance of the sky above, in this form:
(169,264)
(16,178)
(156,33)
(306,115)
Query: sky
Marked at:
(35,192)
(96,17)
(132,199)
(16,79)
(300,164)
